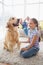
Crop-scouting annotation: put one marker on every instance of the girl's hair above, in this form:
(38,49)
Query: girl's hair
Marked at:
(35,22)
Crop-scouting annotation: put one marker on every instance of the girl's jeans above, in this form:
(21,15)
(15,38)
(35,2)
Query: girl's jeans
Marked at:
(29,53)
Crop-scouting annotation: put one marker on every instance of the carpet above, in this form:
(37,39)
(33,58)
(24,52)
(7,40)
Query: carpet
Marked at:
(15,59)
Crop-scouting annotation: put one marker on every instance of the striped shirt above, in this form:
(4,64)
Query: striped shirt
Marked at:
(32,33)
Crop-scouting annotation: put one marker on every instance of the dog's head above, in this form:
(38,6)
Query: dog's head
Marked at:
(13,22)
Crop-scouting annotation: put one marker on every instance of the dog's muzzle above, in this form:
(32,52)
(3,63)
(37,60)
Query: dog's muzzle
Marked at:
(17,23)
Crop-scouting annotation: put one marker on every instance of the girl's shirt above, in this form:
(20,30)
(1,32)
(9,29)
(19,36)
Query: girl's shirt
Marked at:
(31,33)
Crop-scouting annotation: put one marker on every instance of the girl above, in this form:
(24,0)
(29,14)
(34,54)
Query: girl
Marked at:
(33,39)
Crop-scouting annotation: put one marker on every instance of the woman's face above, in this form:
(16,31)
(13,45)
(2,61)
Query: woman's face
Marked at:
(32,24)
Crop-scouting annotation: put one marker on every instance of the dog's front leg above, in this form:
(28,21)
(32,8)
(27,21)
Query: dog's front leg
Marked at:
(18,44)
(5,45)
(10,47)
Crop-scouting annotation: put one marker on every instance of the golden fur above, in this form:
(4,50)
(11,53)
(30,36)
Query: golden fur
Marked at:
(12,37)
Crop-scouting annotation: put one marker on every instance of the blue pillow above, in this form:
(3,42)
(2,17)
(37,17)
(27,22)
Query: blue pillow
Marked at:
(26,31)
(24,24)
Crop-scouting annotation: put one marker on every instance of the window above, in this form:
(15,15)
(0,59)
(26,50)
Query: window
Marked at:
(32,1)
(41,11)
(41,0)
(32,11)
(0,9)
(0,0)
(8,2)
(17,2)
(22,8)
(18,11)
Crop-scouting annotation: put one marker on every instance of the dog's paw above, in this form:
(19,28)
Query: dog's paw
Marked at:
(9,50)
(4,48)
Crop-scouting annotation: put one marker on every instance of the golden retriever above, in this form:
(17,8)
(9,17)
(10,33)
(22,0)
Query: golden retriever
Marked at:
(12,37)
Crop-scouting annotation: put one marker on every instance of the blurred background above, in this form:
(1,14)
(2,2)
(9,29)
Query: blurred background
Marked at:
(20,9)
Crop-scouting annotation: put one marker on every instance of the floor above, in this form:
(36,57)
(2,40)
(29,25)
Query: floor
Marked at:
(4,64)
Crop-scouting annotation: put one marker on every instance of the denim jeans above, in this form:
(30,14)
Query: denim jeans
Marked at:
(26,31)
(29,53)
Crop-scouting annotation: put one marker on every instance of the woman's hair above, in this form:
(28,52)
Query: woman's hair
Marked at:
(35,22)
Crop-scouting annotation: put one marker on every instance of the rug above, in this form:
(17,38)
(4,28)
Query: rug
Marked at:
(15,58)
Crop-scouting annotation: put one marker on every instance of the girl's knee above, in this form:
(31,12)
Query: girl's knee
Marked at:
(24,55)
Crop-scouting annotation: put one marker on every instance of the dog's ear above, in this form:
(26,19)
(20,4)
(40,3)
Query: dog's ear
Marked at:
(8,24)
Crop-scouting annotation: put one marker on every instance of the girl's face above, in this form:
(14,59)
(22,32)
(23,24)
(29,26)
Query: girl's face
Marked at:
(32,25)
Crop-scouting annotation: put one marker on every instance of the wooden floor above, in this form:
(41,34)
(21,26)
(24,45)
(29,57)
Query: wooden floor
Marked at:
(4,64)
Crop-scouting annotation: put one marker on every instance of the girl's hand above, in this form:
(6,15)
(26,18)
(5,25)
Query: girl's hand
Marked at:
(24,49)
